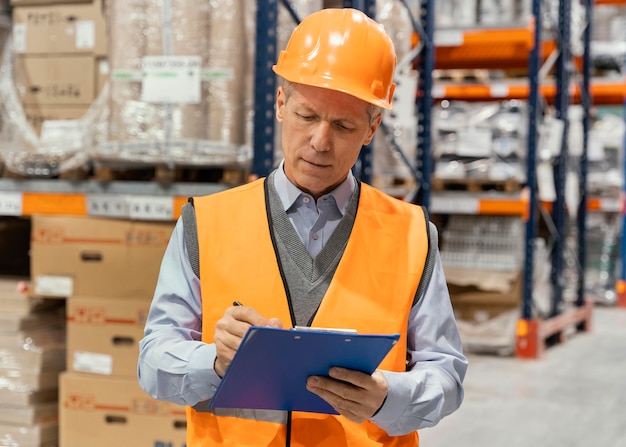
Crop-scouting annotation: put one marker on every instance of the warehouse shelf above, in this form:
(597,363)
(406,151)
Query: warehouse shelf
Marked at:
(524,49)
(603,91)
(461,202)
(132,200)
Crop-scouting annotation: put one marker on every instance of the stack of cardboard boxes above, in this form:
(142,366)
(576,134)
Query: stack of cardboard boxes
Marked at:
(61,57)
(32,356)
(107,269)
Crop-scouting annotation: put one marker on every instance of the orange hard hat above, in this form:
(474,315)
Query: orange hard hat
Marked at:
(341,49)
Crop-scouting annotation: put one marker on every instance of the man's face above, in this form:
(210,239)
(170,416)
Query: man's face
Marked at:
(322,134)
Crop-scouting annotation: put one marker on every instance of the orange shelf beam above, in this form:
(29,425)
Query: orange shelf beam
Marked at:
(607,93)
(54,203)
(492,48)
(610,2)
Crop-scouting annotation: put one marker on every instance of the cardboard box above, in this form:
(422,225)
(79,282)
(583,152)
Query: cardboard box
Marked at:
(99,411)
(103,335)
(96,257)
(31,415)
(481,295)
(43,434)
(16,307)
(51,81)
(28,398)
(60,29)
(36,115)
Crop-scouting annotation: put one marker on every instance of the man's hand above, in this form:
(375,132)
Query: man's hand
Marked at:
(230,329)
(354,394)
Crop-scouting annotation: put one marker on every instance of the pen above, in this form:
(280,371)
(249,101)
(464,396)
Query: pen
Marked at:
(237,303)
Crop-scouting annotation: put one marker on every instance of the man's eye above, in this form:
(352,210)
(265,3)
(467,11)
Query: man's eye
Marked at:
(306,117)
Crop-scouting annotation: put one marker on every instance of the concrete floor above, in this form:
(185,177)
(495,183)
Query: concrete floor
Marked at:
(573,396)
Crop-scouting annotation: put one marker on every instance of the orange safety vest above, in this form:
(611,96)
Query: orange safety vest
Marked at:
(372,291)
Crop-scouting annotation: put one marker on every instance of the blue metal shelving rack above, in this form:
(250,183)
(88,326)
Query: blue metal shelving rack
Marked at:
(533,333)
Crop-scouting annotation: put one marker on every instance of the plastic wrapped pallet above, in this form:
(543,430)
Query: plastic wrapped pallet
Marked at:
(141,28)
(227,103)
(201,120)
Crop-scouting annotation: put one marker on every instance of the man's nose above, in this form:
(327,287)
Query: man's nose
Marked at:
(321,140)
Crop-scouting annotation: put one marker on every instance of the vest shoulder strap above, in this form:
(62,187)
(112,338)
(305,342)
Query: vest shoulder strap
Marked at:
(431,256)
(191,235)
(193,252)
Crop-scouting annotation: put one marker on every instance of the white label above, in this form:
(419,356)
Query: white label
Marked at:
(92,363)
(499,90)
(62,286)
(10,203)
(68,134)
(171,79)
(150,208)
(449,38)
(107,205)
(454,205)
(19,37)
(85,34)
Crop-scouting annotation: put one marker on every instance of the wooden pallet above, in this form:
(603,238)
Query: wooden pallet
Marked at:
(476,185)
(168,175)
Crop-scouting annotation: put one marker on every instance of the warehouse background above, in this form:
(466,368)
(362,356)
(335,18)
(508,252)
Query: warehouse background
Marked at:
(113,112)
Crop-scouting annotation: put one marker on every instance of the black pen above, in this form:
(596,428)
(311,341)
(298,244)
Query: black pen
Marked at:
(237,303)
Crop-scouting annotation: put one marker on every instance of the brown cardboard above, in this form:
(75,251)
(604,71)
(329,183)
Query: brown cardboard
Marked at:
(484,286)
(103,335)
(100,411)
(67,80)
(16,306)
(36,115)
(60,28)
(31,415)
(43,434)
(27,398)
(97,257)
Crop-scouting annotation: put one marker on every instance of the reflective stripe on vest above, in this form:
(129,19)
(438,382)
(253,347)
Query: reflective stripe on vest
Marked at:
(372,291)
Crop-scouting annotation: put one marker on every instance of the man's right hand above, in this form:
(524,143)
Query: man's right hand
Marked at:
(230,329)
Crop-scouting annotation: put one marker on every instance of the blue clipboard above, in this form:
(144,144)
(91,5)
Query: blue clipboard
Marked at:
(271,366)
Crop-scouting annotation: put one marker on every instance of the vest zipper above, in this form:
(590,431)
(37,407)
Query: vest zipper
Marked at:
(288,442)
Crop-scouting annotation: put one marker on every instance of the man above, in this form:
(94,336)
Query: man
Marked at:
(311,246)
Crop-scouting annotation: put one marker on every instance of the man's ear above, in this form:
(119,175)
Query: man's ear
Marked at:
(373,128)
(280,103)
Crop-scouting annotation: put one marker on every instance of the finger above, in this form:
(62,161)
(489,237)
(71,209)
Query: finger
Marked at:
(325,389)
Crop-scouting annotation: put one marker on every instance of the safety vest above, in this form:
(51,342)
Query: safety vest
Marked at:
(372,291)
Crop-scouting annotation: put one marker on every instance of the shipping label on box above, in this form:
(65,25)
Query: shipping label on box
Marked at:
(60,29)
(103,335)
(68,80)
(102,411)
(101,257)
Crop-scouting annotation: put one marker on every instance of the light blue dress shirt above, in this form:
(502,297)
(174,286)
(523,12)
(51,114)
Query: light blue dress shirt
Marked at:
(176,366)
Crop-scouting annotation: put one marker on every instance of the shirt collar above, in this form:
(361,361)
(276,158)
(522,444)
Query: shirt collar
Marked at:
(289,193)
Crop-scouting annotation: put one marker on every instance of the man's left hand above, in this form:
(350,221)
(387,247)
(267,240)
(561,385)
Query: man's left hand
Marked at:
(353,394)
